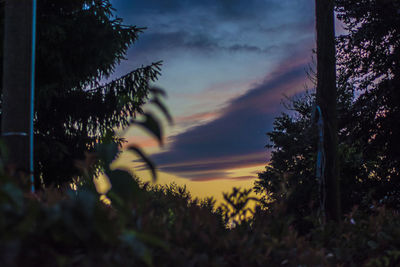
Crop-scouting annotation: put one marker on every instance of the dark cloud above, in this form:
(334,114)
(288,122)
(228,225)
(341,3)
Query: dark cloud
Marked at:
(196,165)
(302,26)
(224,9)
(206,24)
(237,138)
(272,29)
(167,41)
(184,40)
(250,48)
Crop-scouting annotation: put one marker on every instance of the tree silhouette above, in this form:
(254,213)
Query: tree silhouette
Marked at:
(369,65)
(368,150)
(79,44)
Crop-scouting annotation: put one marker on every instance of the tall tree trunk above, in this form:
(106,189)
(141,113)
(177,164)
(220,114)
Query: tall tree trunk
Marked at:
(326,100)
(15,117)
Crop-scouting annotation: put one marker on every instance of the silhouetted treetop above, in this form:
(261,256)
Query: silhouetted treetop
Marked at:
(79,44)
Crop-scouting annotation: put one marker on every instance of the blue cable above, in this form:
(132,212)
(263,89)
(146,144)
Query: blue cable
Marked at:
(33,52)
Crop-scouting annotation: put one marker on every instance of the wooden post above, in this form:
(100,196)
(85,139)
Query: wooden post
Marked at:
(326,100)
(17,67)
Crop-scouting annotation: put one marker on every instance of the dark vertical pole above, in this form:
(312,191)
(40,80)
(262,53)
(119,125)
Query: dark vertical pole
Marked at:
(326,100)
(17,67)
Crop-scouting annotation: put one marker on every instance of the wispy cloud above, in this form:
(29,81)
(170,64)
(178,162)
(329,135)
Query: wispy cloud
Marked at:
(236,26)
(237,137)
(228,64)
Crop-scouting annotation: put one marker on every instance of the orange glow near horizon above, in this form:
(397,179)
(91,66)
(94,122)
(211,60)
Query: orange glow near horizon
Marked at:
(198,188)
(214,175)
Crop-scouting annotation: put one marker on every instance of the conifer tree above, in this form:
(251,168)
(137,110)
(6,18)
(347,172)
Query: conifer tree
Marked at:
(79,44)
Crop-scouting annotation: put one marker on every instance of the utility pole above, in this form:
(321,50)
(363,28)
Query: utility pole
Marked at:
(326,100)
(18,81)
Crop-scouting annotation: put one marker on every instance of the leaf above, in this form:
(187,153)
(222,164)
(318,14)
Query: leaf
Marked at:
(372,244)
(157,91)
(123,184)
(151,124)
(137,246)
(163,108)
(14,194)
(149,239)
(148,162)
(107,153)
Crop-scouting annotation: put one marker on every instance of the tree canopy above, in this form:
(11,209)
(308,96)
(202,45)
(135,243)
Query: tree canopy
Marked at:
(368,82)
(79,44)
(369,64)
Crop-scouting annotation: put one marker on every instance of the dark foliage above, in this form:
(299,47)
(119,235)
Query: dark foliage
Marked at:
(368,110)
(369,64)
(290,176)
(149,225)
(79,43)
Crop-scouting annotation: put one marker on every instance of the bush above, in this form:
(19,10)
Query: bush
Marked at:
(152,225)
(165,226)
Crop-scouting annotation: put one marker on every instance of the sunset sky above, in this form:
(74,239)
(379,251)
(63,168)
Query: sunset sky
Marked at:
(227,66)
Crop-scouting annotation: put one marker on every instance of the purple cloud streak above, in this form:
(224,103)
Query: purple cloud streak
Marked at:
(237,137)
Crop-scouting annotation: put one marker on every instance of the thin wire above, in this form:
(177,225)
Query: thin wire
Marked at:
(32,111)
(14,134)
